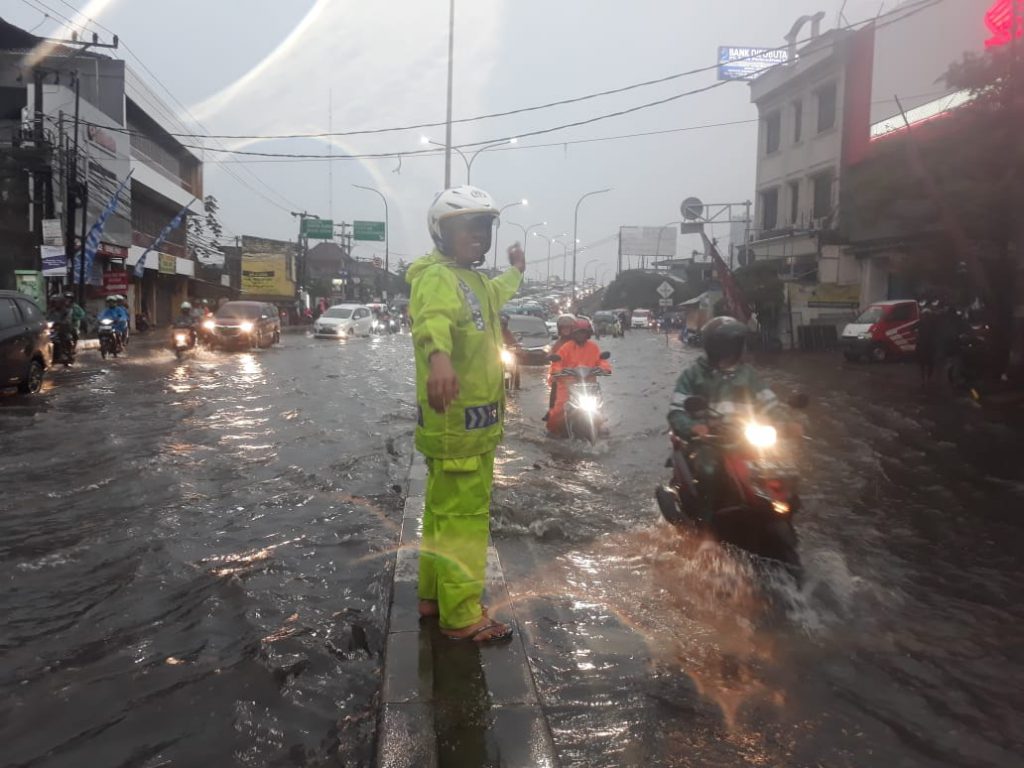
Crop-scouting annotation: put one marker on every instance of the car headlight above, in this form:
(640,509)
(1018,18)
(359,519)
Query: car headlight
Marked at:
(588,403)
(246,327)
(209,324)
(181,338)
(760,435)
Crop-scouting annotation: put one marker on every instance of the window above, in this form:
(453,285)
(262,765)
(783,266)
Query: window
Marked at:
(822,195)
(9,315)
(827,107)
(798,121)
(794,202)
(769,209)
(772,132)
(30,311)
(901,313)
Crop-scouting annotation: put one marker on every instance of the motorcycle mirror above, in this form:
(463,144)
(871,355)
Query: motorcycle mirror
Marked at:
(554,358)
(695,404)
(799,401)
(606,355)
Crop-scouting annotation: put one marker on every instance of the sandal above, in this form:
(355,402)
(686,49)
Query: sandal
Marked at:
(504,633)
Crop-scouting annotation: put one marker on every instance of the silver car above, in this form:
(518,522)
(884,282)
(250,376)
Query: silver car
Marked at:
(344,320)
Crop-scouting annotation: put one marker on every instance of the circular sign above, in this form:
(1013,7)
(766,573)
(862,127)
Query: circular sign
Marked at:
(692,208)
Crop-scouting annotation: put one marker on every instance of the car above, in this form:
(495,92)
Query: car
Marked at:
(534,339)
(607,324)
(343,320)
(886,330)
(244,324)
(25,351)
(641,318)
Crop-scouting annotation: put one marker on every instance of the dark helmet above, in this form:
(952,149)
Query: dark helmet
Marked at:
(504,319)
(724,339)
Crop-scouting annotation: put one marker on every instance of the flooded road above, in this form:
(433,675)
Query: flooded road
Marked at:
(193,571)
(903,647)
(192,556)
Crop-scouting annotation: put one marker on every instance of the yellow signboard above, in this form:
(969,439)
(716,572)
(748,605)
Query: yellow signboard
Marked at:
(167,264)
(267,268)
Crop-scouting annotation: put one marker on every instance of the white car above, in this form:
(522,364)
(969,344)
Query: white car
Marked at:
(344,320)
(641,318)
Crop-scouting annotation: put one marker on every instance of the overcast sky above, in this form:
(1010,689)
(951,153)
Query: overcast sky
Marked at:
(259,67)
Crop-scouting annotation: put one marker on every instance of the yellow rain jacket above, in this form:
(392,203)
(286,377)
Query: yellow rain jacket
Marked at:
(458,311)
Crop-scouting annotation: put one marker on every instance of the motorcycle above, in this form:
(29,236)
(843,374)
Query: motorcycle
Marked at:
(62,345)
(584,416)
(973,360)
(183,339)
(756,498)
(110,339)
(691,338)
(510,364)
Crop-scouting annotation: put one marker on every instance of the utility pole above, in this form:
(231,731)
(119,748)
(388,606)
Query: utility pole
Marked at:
(71,191)
(303,245)
(448,122)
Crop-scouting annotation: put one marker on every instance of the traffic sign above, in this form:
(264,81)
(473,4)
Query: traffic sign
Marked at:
(664,302)
(665,290)
(692,208)
(318,229)
(369,230)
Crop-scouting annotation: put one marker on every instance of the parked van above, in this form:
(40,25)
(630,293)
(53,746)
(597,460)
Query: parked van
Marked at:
(887,330)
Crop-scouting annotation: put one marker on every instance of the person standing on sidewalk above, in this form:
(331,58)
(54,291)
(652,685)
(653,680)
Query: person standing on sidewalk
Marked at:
(460,395)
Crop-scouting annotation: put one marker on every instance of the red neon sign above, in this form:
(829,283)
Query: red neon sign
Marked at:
(1000,22)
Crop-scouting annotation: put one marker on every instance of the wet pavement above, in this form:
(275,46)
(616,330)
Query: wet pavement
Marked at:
(195,563)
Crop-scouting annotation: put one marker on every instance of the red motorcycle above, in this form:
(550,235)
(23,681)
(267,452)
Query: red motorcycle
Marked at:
(755,497)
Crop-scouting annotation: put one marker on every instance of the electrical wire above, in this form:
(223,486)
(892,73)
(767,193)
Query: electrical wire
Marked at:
(907,11)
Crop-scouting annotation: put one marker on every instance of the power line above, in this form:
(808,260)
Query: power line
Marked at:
(908,10)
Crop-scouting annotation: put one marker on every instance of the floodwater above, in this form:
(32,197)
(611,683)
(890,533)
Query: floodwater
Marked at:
(194,570)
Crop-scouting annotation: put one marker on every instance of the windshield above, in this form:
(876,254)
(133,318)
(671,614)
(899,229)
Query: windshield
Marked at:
(338,313)
(528,327)
(870,316)
(238,312)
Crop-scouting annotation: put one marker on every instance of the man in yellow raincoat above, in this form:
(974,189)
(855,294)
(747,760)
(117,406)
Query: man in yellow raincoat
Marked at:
(456,330)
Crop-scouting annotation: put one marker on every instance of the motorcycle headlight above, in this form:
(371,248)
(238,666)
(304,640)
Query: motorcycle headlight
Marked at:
(760,435)
(507,357)
(106,321)
(588,403)
(246,327)
(209,324)
(49,324)
(181,338)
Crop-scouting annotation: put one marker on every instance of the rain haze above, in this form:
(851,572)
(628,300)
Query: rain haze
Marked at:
(258,68)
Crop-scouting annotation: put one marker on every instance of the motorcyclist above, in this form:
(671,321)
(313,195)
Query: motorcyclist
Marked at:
(565,325)
(77,315)
(115,314)
(60,315)
(579,352)
(730,386)
(457,340)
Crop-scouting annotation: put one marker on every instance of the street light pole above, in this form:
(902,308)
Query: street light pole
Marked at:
(575,234)
(497,225)
(387,238)
(448,121)
(468,160)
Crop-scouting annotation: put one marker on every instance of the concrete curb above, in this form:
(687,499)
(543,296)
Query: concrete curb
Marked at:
(485,709)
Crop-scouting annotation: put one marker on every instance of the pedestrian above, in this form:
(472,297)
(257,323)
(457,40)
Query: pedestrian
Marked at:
(460,398)
(925,350)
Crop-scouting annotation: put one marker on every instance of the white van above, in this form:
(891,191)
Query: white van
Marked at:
(641,318)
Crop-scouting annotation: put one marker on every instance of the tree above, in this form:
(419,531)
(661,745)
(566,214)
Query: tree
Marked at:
(212,207)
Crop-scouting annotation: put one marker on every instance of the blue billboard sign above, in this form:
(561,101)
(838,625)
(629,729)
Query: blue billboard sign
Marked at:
(735,63)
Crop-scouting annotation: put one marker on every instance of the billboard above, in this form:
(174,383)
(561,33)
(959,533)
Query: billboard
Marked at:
(267,268)
(735,63)
(647,241)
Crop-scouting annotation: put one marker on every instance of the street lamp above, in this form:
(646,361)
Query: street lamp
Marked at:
(575,233)
(526,230)
(387,238)
(550,241)
(469,160)
(497,225)
(565,255)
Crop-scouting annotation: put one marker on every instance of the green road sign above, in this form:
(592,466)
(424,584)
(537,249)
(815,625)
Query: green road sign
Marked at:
(368,230)
(318,229)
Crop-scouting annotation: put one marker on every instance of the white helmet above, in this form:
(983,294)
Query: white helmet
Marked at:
(458,201)
(185,306)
